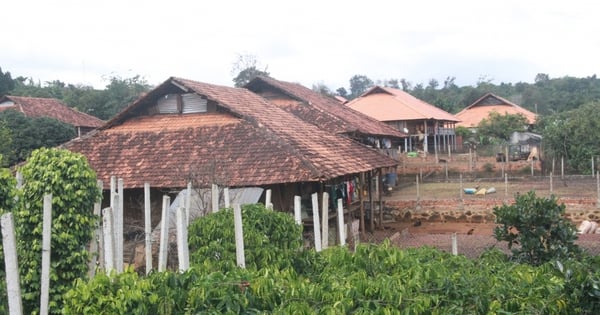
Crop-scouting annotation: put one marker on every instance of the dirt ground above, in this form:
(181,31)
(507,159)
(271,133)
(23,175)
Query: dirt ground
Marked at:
(472,238)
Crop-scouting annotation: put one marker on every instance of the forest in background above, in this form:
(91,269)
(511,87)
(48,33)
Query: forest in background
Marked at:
(567,108)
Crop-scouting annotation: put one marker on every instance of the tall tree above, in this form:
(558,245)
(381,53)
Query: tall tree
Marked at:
(6,82)
(497,128)
(245,69)
(574,135)
(358,85)
(321,88)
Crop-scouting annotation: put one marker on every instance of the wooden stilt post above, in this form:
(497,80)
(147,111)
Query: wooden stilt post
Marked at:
(361,199)
(454,244)
(226,198)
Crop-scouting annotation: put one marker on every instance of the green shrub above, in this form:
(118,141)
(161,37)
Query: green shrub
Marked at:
(270,239)
(7,200)
(536,230)
(72,183)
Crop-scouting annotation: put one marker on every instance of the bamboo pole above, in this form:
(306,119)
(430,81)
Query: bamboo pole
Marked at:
(13,289)
(46,241)
(551,183)
(148,227)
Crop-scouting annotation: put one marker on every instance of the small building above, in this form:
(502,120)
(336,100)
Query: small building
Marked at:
(186,131)
(473,114)
(327,113)
(430,128)
(52,108)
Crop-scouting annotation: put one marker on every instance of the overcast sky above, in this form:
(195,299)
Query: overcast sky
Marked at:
(302,41)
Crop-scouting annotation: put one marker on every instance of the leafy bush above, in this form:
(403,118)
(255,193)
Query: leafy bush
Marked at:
(7,200)
(536,230)
(72,183)
(270,238)
(375,279)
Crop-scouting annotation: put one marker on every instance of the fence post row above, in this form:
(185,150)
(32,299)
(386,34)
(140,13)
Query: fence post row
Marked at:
(13,289)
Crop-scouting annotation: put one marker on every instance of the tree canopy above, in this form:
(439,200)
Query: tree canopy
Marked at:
(23,135)
(497,128)
(574,135)
(245,69)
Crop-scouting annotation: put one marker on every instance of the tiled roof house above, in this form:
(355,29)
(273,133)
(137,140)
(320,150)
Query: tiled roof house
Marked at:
(183,129)
(473,114)
(325,112)
(52,108)
(429,126)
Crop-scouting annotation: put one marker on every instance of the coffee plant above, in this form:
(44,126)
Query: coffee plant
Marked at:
(72,183)
(536,230)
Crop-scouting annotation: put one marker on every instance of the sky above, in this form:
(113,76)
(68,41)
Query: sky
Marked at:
(308,42)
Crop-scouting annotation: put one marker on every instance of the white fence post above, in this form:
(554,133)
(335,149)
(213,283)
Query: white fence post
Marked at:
(13,289)
(268,203)
(226,198)
(325,221)
(239,236)
(341,232)
(46,238)
(164,234)
(148,227)
(109,249)
(95,244)
(188,203)
(182,241)
(316,225)
(119,227)
(454,244)
(215,198)
(298,209)
(551,183)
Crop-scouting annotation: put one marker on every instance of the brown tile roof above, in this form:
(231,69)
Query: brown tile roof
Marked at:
(247,141)
(481,108)
(326,112)
(50,107)
(388,104)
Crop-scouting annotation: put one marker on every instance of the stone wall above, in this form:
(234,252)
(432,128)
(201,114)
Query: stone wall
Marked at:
(476,210)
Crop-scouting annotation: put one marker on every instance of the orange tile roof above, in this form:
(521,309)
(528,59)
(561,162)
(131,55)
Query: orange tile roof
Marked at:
(388,104)
(481,108)
(326,112)
(247,142)
(52,108)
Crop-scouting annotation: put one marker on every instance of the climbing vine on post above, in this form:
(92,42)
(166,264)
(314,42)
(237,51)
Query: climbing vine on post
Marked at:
(72,183)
